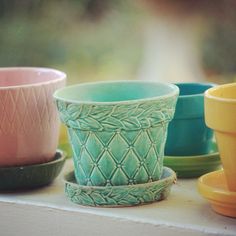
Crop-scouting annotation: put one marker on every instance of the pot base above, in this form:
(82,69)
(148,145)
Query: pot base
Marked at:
(119,196)
(213,187)
(31,176)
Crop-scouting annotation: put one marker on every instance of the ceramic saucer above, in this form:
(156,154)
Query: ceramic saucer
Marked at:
(194,166)
(213,187)
(31,176)
(118,196)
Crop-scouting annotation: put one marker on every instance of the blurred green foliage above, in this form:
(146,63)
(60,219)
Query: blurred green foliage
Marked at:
(89,39)
(219,49)
(95,39)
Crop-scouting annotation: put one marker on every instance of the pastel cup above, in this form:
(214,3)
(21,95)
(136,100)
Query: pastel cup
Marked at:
(220,114)
(188,134)
(117,130)
(29,123)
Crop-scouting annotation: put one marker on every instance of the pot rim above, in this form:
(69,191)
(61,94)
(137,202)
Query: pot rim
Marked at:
(210,85)
(61,76)
(174,92)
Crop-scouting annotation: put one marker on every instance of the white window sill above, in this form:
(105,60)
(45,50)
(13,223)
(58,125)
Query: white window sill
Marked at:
(47,211)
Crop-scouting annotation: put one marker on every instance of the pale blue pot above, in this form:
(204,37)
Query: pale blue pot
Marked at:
(117,130)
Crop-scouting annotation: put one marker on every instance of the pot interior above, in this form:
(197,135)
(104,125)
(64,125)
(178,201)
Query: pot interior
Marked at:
(228,92)
(26,76)
(115,91)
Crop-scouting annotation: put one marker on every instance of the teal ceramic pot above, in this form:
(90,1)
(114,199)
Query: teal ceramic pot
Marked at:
(187,132)
(117,130)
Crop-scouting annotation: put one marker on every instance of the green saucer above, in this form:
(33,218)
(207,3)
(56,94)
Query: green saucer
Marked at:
(31,176)
(194,166)
(118,196)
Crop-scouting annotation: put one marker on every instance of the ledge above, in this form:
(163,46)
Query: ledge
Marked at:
(47,211)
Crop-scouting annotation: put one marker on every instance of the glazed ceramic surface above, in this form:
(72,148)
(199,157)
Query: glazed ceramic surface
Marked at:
(118,196)
(220,110)
(31,176)
(187,132)
(117,129)
(214,188)
(194,166)
(29,124)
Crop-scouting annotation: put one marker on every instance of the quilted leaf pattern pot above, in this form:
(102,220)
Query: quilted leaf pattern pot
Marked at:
(117,130)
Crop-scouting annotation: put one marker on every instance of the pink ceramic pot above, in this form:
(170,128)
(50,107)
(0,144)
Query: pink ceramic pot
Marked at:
(29,124)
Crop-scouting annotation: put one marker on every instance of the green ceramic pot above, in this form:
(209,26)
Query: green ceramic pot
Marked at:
(117,130)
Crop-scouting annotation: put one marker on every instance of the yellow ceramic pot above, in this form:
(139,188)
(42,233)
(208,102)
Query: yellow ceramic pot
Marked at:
(220,115)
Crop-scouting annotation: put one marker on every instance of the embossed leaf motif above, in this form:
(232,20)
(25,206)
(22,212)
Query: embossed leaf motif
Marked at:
(117,117)
(71,192)
(149,195)
(90,122)
(158,115)
(122,112)
(111,123)
(64,116)
(85,110)
(145,123)
(135,112)
(98,197)
(73,111)
(148,111)
(131,123)
(86,199)
(61,106)
(119,196)
(147,106)
(110,202)
(100,113)
(74,124)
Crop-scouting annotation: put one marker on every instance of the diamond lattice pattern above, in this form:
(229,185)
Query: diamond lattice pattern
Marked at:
(28,109)
(118,158)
